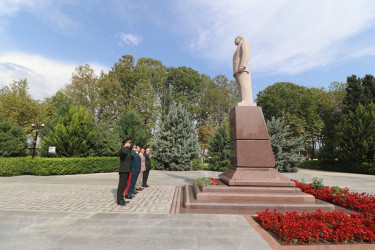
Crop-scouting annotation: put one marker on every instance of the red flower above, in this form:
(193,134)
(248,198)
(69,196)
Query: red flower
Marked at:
(325,227)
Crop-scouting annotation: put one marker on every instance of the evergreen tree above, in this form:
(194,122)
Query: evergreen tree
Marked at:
(369,85)
(219,149)
(61,111)
(176,143)
(106,141)
(12,139)
(355,93)
(356,136)
(73,134)
(131,126)
(328,152)
(285,147)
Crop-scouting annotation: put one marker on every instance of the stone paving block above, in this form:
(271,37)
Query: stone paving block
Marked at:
(74,241)
(83,212)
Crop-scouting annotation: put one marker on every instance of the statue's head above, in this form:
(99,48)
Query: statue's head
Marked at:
(238,39)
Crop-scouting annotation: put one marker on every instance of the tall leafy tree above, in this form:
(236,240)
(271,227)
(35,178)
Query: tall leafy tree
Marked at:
(219,95)
(123,73)
(131,126)
(17,105)
(204,133)
(52,104)
(299,106)
(147,96)
(219,149)
(12,139)
(176,144)
(83,89)
(286,147)
(185,84)
(73,134)
(111,102)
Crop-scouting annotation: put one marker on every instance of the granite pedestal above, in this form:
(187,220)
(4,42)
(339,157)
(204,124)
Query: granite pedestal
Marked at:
(252,183)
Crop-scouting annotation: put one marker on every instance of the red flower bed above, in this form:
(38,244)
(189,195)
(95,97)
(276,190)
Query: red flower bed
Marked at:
(360,202)
(292,228)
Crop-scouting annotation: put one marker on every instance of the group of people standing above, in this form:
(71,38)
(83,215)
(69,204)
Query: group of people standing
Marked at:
(135,165)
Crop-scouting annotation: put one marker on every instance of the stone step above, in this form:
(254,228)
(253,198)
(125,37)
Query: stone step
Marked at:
(262,197)
(250,190)
(192,205)
(177,201)
(269,197)
(253,208)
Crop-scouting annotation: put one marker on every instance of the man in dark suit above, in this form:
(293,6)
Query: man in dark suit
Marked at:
(148,167)
(134,174)
(125,168)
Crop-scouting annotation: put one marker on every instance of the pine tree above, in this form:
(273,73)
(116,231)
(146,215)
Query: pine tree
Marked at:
(12,139)
(219,149)
(285,147)
(176,143)
(130,126)
(72,135)
(356,136)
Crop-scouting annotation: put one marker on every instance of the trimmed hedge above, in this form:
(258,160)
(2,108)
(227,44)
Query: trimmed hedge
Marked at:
(337,166)
(57,166)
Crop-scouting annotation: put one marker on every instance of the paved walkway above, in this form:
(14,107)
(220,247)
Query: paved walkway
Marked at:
(80,212)
(355,182)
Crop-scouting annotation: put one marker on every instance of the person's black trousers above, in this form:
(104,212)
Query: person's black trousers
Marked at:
(123,182)
(145,177)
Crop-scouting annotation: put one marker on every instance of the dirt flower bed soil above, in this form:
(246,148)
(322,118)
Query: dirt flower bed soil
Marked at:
(319,227)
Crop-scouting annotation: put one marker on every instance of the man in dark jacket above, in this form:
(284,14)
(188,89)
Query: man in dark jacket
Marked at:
(148,167)
(134,175)
(125,168)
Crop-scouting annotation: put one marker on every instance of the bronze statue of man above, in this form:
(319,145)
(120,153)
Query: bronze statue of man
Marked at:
(241,71)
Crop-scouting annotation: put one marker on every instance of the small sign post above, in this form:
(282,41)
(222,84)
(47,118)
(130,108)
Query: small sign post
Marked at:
(51,150)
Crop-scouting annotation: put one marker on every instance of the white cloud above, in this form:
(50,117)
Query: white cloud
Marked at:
(48,11)
(45,76)
(285,36)
(129,39)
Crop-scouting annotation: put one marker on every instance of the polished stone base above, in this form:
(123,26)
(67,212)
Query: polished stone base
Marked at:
(224,199)
(266,177)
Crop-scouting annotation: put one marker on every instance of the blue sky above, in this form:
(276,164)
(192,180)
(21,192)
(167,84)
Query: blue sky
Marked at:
(310,43)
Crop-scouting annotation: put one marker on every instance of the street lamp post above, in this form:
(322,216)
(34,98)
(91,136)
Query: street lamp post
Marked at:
(36,126)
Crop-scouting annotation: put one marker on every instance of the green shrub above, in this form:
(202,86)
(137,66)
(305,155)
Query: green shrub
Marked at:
(337,190)
(317,183)
(203,182)
(339,166)
(152,163)
(219,149)
(310,164)
(57,166)
(12,139)
(196,164)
